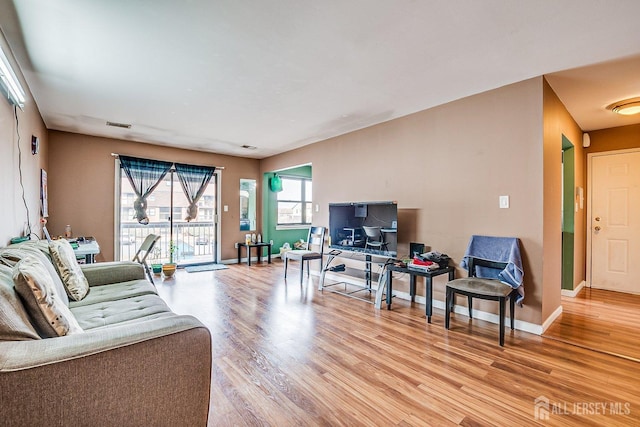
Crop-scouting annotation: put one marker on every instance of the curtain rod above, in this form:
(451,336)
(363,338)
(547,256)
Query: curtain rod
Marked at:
(117,156)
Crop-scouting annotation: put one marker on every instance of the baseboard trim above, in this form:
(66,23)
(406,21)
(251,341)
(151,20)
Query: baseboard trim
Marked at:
(552,318)
(573,293)
(520,325)
(244,260)
(458,309)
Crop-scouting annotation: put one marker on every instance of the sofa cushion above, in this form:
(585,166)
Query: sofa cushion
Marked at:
(112,312)
(14,322)
(116,291)
(41,246)
(70,272)
(14,253)
(46,310)
(105,273)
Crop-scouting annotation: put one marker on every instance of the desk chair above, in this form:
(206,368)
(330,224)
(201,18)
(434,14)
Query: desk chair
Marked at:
(375,238)
(143,252)
(488,289)
(315,239)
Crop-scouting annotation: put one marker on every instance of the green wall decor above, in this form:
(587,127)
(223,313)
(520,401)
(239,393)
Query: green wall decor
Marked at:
(275,184)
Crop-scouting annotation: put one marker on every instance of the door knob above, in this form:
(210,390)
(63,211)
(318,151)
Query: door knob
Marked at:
(597,218)
(597,228)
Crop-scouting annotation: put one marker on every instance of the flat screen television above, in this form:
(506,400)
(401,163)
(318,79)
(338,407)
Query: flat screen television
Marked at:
(347,223)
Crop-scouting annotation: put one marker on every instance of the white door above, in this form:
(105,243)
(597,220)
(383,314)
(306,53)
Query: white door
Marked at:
(615,221)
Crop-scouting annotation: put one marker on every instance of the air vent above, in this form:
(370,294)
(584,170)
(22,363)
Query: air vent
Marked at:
(119,125)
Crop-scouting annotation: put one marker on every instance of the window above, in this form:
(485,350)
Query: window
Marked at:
(165,210)
(164,213)
(207,200)
(294,202)
(127,198)
(127,214)
(205,214)
(177,213)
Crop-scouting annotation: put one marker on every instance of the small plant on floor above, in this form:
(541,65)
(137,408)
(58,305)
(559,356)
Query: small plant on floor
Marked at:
(169,268)
(173,248)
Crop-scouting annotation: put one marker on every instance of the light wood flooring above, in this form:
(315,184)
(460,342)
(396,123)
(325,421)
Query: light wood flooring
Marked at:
(286,355)
(600,320)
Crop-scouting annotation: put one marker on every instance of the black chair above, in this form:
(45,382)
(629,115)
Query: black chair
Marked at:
(315,239)
(488,289)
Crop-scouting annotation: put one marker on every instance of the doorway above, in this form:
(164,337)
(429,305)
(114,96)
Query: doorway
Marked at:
(613,238)
(196,242)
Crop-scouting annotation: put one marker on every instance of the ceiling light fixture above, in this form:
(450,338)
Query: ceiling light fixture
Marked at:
(9,82)
(626,107)
(249,147)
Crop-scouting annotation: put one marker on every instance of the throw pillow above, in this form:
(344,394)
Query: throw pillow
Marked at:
(48,313)
(14,253)
(14,322)
(41,245)
(70,272)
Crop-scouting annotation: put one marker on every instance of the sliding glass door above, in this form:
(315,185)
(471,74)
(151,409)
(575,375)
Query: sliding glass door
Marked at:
(167,207)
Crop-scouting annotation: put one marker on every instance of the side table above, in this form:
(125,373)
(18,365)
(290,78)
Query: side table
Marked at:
(428,275)
(259,251)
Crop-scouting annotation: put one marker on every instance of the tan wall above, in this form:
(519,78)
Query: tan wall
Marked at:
(13,215)
(446,167)
(558,122)
(620,138)
(82,185)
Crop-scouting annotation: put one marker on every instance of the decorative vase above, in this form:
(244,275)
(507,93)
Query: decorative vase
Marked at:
(157,269)
(168,270)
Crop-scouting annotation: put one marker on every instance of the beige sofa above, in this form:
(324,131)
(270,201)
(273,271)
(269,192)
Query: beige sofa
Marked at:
(134,363)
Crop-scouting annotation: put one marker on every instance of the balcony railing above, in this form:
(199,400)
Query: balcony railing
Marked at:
(195,241)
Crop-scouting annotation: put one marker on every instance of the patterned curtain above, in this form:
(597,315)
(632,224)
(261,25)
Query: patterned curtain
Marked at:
(144,176)
(194,181)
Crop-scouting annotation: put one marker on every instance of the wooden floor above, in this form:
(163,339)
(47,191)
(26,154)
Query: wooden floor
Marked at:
(286,355)
(603,321)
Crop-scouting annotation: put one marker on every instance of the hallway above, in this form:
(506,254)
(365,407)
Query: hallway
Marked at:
(600,320)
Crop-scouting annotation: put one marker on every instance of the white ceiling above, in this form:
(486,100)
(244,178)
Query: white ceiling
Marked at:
(216,75)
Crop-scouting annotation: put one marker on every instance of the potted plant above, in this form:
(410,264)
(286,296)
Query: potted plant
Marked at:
(169,268)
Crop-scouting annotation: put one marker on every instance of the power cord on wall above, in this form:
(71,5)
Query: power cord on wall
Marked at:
(24,199)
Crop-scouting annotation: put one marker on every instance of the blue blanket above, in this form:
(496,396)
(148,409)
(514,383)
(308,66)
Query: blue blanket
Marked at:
(498,249)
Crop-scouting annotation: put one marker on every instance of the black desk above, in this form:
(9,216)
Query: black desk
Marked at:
(428,275)
(259,251)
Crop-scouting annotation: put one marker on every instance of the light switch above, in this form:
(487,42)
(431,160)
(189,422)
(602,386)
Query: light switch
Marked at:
(225,208)
(504,202)
(317,208)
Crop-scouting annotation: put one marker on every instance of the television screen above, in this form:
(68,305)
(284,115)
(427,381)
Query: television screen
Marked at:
(369,227)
